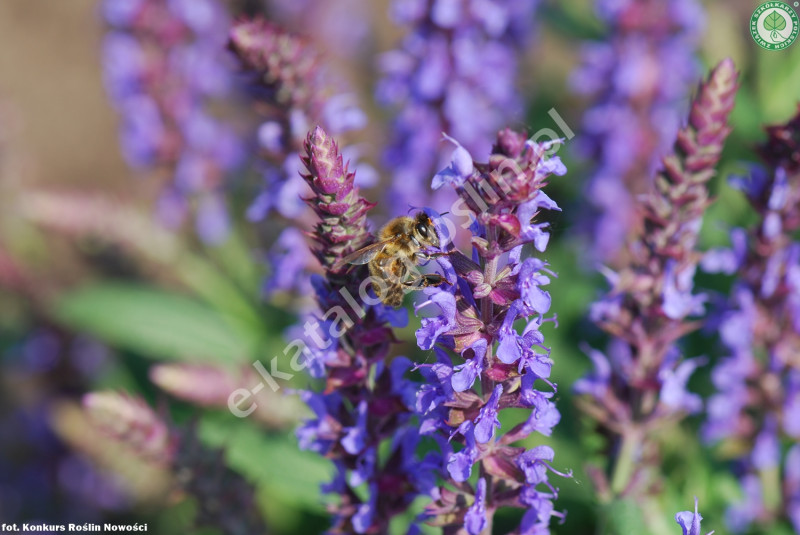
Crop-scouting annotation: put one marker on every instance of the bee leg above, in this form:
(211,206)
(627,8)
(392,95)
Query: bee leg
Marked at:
(430,256)
(432,279)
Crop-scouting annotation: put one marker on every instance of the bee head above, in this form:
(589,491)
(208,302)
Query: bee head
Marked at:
(425,231)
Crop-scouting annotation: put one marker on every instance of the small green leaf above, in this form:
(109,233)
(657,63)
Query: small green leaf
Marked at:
(271,461)
(152,322)
(774,21)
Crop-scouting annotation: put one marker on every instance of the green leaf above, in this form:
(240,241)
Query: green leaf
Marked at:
(622,517)
(154,323)
(273,462)
(205,281)
(774,21)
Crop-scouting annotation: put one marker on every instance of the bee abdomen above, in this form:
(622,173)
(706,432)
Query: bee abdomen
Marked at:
(393,296)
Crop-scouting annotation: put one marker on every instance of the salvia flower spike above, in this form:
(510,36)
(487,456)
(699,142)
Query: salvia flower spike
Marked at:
(638,79)
(641,382)
(484,363)
(164,69)
(366,403)
(758,381)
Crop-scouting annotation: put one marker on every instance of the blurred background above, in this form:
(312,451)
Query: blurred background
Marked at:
(98,295)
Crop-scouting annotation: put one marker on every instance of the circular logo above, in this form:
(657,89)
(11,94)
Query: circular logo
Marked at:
(774,25)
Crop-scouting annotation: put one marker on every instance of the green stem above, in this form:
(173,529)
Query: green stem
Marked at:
(625,462)
(487,385)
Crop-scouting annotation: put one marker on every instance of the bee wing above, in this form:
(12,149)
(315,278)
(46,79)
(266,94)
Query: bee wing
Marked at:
(364,255)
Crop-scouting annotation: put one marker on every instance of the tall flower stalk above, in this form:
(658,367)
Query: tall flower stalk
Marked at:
(638,78)
(292,91)
(484,364)
(457,56)
(640,385)
(364,408)
(754,410)
(164,67)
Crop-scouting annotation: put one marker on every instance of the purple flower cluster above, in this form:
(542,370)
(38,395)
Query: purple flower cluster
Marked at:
(293,93)
(639,79)
(454,72)
(640,385)
(361,416)
(479,317)
(164,64)
(758,383)
(341,27)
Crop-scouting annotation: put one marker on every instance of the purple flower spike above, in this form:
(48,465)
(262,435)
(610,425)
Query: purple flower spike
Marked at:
(638,80)
(365,404)
(758,382)
(165,68)
(492,314)
(651,303)
(293,90)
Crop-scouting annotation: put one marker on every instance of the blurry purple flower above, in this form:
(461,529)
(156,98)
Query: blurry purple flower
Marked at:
(791,478)
(651,300)
(164,66)
(690,521)
(340,27)
(213,224)
(756,398)
(766,449)
(41,351)
(742,514)
(594,384)
(673,386)
(291,85)
(288,260)
(456,56)
(638,79)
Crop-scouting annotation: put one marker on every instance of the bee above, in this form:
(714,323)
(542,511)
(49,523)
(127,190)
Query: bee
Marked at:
(401,245)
